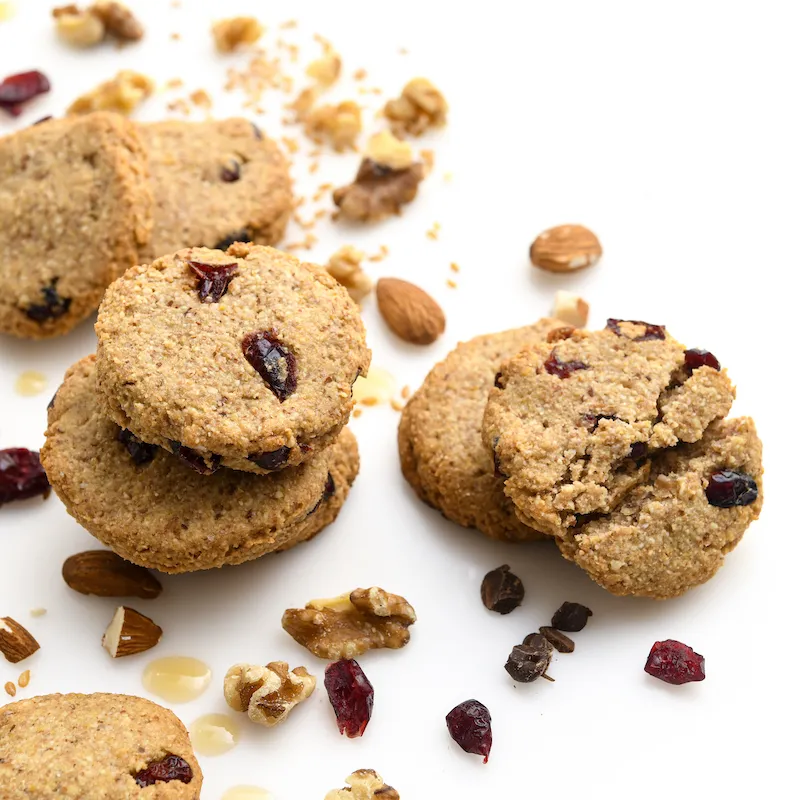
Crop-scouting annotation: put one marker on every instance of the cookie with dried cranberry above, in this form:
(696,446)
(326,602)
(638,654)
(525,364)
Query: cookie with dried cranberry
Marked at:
(672,532)
(244,358)
(75,207)
(151,508)
(214,183)
(573,423)
(439,438)
(95,747)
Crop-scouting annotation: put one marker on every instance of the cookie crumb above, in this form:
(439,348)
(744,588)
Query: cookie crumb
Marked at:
(235,32)
(288,24)
(405,392)
(451,283)
(38,612)
(396,405)
(174,83)
(201,98)
(325,70)
(454,267)
(339,125)
(123,93)
(359,74)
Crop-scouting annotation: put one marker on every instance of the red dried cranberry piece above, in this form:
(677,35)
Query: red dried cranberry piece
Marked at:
(727,488)
(676,663)
(351,696)
(272,459)
(18,89)
(651,331)
(571,617)
(21,475)
(267,355)
(194,460)
(212,279)
(54,305)
(139,451)
(498,472)
(470,725)
(328,492)
(231,171)
(169,768)
(237,236)
(694,359)
(563,369)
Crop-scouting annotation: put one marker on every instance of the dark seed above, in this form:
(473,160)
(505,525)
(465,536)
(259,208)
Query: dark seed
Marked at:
(470,725)
(728,488)
(530,661)
(676,663)
(53,307)
(501,590)
(267,355)
(21,475)
(236,236)
(560,642)
(18,89)
(139,451)
(272,459)
(351,696)
(694,359)
(330,488)
(651,331)
(212,279)
(169,768)
(230,171)
(563,369)
(571,617)
(194,460)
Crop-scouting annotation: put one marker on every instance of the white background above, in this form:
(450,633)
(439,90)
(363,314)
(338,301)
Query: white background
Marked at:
(670,130)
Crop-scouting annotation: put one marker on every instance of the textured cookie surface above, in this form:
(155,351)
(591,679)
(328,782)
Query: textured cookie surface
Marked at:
(214,181)
(573,423)
(75,207)
(441,452)
(152,509)
(172,367)
(666,537)
(90,746)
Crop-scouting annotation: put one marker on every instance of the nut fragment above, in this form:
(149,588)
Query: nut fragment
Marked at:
(378,191)
(409,311)
(232,33)
(571,308)
(364,784)
(326,70)
(565,248)
(118,21)
(385,149)
(349,625)
(105,574)
(129,633)
(420,106)
(78,28)
(337,124)
(16,643)
(345,266)
(122,94)
(268,693)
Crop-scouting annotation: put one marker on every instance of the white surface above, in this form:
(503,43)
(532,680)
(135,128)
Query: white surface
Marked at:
(671,131)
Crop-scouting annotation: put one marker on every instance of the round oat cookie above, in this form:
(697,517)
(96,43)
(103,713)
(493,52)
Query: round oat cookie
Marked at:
(573,423)
(244,358)
(152,509)
(214,183)
(75,206)
(95,747)
(667,537)
(439,438)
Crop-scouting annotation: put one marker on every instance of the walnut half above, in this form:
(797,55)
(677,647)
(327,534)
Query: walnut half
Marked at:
(364,784)
(378,191)
(268,693)
(420,106)
(349,625)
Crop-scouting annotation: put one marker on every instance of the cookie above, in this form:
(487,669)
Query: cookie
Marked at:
(671,534)
(95,747)
(154,510)
(75,207)
(573,423)
(244,359)
(439,438)
(214,183)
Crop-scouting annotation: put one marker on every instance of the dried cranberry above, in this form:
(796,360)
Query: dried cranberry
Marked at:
(563,369)
(272,459)
(21,475)
(470,725)
(169,768)
(498,378)
(530,660)
(18,89)
(638,453)
(571,617)
(212,279)
(728,488)
(351,696)
(498,473)
(267,355)
(139,451)
(237,236)
(54,305)
(694,359)
(328,492)
(231,171)
(194,460)
(651,331)
(501,590)
(676,663)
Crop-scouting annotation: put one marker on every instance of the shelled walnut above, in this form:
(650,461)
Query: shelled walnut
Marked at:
(364,784)
(349,625)
(268,693)
(420,106)
(345,266)
(122,94)
(88,26)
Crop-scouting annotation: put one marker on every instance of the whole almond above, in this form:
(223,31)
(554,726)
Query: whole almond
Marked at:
(409,311)
(130,632)
(105,574)
(16,643)
(565,248)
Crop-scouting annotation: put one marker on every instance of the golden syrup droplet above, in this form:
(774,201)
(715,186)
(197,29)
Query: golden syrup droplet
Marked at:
(31,383)
(377,387)
(246,793)
(177,679)
(214,734)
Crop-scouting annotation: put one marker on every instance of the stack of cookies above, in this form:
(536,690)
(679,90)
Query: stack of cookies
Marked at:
(613,443)
(209,427)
